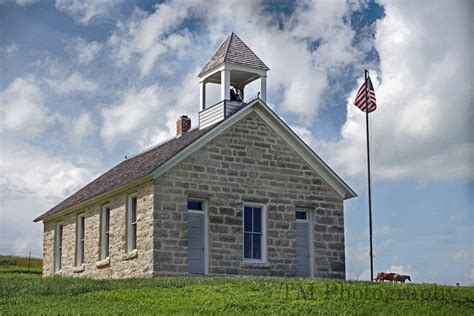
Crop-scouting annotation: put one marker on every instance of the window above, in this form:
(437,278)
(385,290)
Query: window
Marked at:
(104,232)
(132,223)
(80,234)
(301,215)
(195,205)
(254,233)
(58,251)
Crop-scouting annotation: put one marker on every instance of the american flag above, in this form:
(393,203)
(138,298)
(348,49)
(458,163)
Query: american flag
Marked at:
(360,98)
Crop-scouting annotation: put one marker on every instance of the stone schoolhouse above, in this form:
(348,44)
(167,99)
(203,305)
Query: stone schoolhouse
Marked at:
(241,194)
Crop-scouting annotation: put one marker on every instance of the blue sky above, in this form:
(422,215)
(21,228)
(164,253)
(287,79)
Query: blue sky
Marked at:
(84,83)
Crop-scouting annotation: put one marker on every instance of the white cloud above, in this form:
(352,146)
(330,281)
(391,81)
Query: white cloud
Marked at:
(296,71)
(329,23)
(145,116)
(83,125)
(47,175)
(134,116)
(19,2)
(466,259)
(457,217)
(83,11)
(357,262)
(148,36)
(465,256)
(80,127)
(83,51)
(22,108)
(9,49)
(422,127)
(384,231)
(305,134)
(32,181)
(75,83)
(470,277)
(402,269)
(18,234)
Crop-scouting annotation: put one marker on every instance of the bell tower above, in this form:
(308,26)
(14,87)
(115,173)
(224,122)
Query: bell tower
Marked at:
(233,66)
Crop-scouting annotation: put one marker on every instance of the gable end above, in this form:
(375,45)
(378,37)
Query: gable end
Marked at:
(269,117)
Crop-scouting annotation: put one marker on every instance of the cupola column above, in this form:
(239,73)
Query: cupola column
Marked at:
(202,96)
(225,84)
(263,88)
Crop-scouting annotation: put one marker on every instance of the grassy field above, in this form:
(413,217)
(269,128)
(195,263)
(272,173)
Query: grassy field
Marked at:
(12,264)
(29,293)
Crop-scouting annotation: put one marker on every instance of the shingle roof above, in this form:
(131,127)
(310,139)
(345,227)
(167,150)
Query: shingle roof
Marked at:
(129,170)
(234,51)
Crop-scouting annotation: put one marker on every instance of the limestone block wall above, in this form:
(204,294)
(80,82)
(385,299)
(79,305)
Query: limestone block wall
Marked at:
(120,264)
(248,163)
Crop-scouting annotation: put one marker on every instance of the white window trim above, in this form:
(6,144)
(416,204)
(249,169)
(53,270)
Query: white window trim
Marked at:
(57,240)
(206,230)
(103,249)
(310,220)
(129,223)
(264,232)
(80,251)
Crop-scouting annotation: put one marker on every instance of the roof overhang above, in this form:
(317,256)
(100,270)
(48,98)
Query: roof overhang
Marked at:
(102,198)
(241,75)
(282,129)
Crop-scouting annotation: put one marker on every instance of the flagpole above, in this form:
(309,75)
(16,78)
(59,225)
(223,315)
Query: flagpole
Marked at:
(368,174)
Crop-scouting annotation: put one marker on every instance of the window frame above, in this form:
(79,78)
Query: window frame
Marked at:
(104,246)
(58,246)
(131,232)
(80,239)
(263,241)
(306,220)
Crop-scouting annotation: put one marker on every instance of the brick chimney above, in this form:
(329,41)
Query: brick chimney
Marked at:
(183,124)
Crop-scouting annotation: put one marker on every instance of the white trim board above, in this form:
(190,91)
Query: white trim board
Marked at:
(304,151)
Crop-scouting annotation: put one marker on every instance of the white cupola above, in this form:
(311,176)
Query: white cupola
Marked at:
(233,66)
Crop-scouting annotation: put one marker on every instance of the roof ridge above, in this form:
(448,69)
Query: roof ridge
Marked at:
(248,49)
(234,51)
(228,45)
(160,143)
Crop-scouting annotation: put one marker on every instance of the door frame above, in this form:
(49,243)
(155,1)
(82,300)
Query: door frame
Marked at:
(206,230)
(310,221)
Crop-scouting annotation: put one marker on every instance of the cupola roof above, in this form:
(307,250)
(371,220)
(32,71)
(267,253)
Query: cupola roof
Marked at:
(234,51)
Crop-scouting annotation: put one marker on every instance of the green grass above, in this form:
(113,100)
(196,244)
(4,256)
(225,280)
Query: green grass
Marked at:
(13,264)
(31,294)
(27,293)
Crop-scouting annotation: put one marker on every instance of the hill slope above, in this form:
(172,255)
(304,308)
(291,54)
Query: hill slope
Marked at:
(27,293)
(12,264)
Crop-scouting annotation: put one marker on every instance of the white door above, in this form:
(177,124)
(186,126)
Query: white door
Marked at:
(303,254)
(197,237)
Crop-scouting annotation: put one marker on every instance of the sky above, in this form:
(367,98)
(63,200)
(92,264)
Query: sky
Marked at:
(85,83)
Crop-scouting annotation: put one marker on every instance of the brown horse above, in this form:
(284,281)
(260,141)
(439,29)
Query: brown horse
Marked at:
(382,276)
(401,278)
